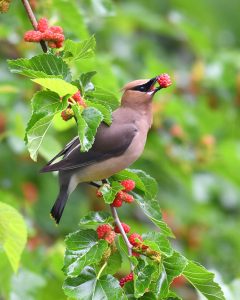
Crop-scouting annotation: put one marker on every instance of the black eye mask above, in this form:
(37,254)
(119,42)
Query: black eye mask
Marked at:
(146,87)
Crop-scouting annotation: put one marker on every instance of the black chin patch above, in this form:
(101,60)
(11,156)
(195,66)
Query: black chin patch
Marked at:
(144,87)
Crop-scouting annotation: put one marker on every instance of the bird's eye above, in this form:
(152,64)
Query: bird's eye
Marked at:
(140,88)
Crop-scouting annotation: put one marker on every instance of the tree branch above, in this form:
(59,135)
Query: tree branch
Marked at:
(34,22)
(119,225)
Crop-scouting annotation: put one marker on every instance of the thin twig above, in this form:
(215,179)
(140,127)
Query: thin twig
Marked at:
(119,225)
(33,21)
(117,222)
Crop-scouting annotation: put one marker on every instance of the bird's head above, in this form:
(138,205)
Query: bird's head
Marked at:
(142,91)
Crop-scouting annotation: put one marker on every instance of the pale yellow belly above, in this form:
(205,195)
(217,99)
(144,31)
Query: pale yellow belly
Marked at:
(107,168)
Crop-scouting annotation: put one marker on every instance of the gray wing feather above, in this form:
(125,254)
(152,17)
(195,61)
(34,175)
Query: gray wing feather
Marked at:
(71,144)
(109,142)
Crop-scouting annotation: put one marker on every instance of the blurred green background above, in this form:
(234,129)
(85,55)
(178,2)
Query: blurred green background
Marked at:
(193,149)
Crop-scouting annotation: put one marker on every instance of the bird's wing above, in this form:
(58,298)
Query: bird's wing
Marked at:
(74,142)
(109,142)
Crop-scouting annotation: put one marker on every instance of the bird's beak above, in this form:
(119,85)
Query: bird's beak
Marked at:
(151,86)
(163,80)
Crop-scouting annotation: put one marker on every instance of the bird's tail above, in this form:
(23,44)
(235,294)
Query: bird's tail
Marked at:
(58,207)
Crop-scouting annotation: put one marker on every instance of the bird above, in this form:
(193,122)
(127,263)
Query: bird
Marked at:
(115,147)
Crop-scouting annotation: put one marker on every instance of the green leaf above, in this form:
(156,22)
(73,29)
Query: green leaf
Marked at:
(26,285)
(46,150)
(87,286)
(142,277)
(174,265)
(129,290)
(41,66)
(82,126)
(150,184)
(121,245)
(35,135)
(158,242)
(45,104)
(203,280)
(130,174)
(57,85)
(96,217)
(6,274)
(93,118)
(85,80)
(83,248)
(88,121)
(143,181)
(105,110)
(152,210)
(162,284)
(132,259)
(79,50)
(71,16)
(104,97)
(84,83)
(13,234)
(148,296)
(109,192)
(172,296)
(114,263)
(105,8)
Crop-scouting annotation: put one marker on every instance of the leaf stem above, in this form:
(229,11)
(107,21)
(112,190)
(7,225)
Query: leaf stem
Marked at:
(101,270)
(34,22)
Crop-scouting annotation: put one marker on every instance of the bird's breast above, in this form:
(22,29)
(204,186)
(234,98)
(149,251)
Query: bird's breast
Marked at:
(109,167)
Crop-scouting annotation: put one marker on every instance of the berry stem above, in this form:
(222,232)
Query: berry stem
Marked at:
(33,20)
(118,223)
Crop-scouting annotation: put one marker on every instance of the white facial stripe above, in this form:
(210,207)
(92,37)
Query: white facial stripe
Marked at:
(150,93)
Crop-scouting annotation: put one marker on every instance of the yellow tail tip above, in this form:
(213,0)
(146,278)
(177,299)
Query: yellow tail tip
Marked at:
(52,217)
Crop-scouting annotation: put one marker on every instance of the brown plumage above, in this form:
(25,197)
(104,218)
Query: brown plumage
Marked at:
(115,148)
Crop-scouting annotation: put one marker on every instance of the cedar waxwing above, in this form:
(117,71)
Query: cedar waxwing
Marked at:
(115,147)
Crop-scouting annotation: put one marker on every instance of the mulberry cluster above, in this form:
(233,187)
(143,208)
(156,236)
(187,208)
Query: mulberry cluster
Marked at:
(135,239)
(105,232)
(53,35)
(78,99)
(128,185)
(68,113)
(123,196)
(164,80)
(125,279)
(125,227)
